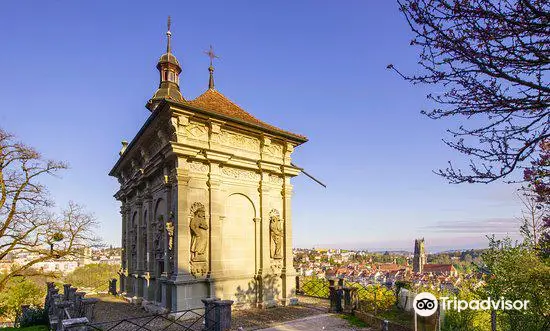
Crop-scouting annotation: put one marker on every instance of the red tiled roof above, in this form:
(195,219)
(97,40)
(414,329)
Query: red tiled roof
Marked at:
(389,266)
(216,102)
(439,268)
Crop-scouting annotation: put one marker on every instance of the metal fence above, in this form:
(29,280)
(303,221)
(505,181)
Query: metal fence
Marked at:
(188,320)
(371,298)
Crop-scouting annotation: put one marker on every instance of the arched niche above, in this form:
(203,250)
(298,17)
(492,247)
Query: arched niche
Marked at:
(238,235)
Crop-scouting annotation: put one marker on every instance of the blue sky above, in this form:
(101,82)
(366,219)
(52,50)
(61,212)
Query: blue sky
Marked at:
(76,77)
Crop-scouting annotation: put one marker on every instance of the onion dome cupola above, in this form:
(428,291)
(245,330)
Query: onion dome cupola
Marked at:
(169,69)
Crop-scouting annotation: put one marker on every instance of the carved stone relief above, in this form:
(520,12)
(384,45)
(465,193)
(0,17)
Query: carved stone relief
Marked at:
(276,232)
(159,238)
(197,131)
(198,167)
(275,179)
(238,141)
(274,150)
(241,174)
(199,238)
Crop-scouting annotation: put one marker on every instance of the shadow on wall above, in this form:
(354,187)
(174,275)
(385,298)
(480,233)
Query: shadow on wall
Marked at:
(262,292)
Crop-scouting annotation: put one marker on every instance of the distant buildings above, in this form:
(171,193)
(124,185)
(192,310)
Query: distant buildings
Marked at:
(63,265)
(420,265)
(360,268)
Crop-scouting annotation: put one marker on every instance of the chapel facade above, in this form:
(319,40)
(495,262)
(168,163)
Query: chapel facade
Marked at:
(206,195)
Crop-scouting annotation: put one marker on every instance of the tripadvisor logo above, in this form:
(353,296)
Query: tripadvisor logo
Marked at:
(485,304)
(425,304)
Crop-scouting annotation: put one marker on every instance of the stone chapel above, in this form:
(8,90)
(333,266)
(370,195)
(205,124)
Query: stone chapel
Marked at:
(206,195)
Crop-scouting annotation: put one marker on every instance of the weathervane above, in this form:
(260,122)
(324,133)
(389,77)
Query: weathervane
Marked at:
(210,53)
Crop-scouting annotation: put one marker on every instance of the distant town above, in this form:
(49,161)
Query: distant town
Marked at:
(445,270)
(63,265)
(438,271)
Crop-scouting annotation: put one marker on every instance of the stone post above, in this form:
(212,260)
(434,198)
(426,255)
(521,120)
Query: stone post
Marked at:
(209,313)
(112,286)
(88,308)
(60,310)
(223,315)
(72,291)
(55,298)
(79,307)
(75,324)
(335,299)
(350,299)
(298,290)
(66,288)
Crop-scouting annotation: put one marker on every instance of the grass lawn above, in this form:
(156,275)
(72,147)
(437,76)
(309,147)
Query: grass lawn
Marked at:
(398,316)
(29,328)
(354,321)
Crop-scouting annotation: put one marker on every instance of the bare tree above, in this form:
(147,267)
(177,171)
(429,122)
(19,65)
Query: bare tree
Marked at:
(492,59)
(532,218)
(27,224)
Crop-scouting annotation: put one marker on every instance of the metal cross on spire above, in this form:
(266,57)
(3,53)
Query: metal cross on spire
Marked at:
(169,35)
(210,53)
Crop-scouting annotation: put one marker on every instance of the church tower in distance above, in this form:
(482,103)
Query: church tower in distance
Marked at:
(419,259)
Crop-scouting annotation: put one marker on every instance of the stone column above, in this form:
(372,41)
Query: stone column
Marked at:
(181,226)
(216,218)
(150,254)
(288,272)
(265,248)
(165,286)
(129,267)
(140,248)
(124,251)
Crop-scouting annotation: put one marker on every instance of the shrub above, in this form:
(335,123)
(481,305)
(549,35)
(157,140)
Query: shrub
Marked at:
(93,277)
(32,316)
(18,292)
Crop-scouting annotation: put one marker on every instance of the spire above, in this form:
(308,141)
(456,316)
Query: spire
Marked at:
(169,70)
(168,36)
(212,56)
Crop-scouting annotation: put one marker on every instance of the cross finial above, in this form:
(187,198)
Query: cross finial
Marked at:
(210,53)
(169,35)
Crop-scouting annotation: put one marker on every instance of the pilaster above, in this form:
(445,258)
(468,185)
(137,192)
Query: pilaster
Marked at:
(216,217)
(140,245)
(182,242)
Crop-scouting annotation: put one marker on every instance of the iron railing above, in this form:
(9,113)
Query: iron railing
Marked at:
(186,320)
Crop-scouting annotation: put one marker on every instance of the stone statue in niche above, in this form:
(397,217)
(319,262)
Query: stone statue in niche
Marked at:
(170,232)
(276,233)
(159,241)
(199,232)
